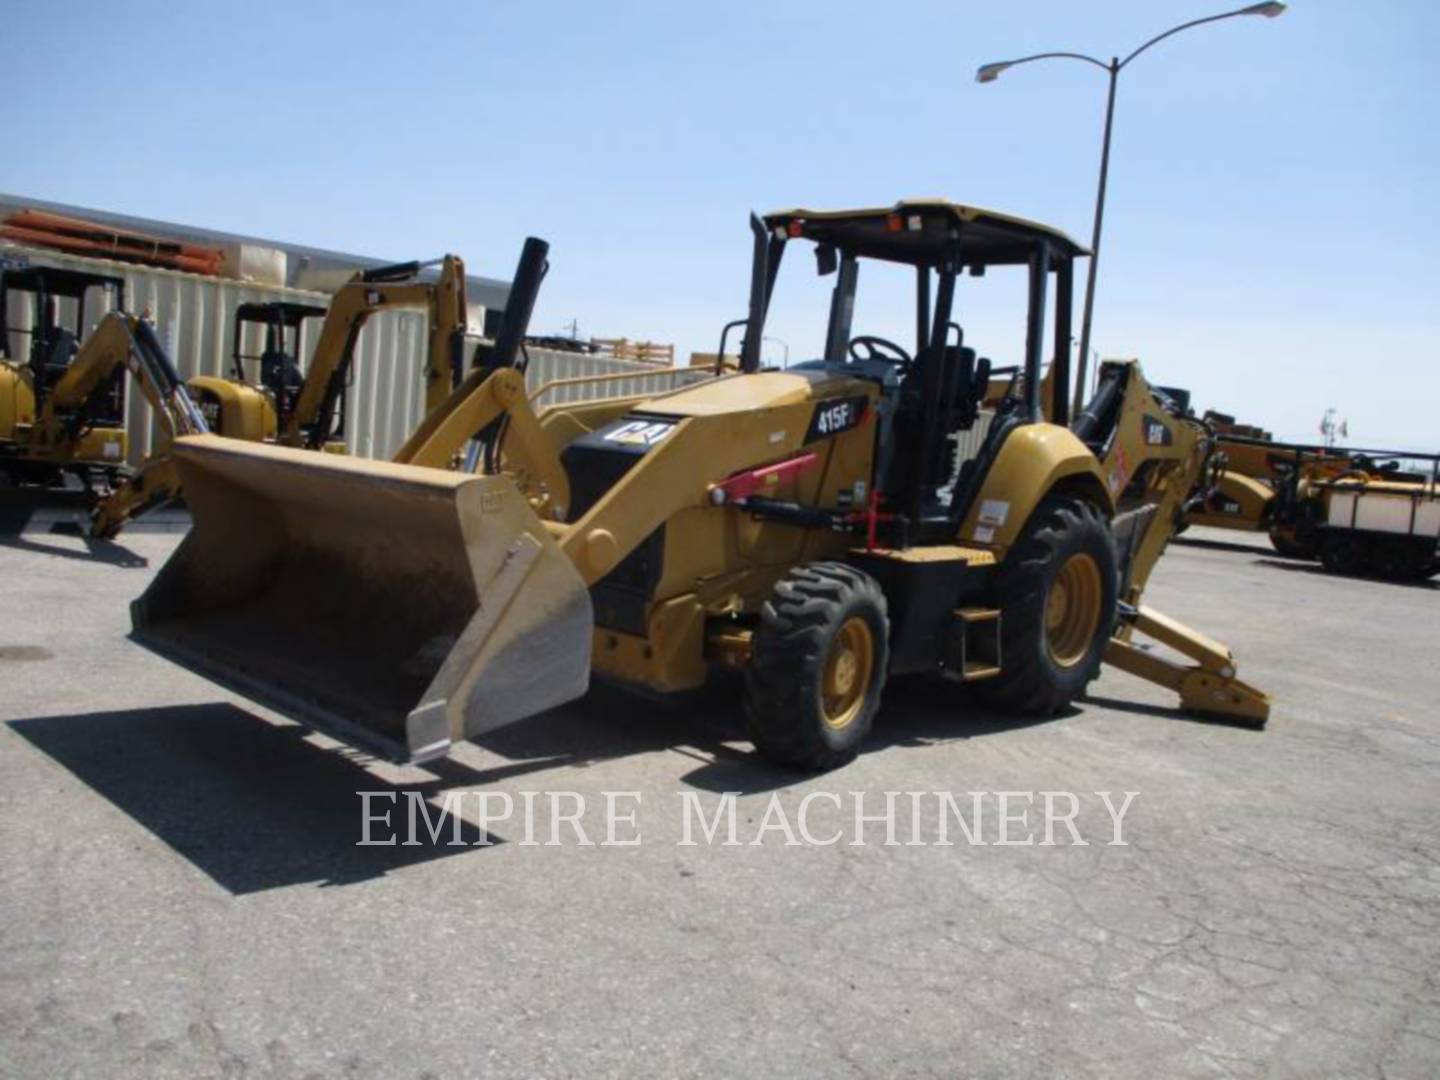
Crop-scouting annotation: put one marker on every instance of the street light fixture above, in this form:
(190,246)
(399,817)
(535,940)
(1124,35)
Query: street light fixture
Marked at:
(990,72)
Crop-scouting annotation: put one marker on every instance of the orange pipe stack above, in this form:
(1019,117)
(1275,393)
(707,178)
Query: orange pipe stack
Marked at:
(80,237)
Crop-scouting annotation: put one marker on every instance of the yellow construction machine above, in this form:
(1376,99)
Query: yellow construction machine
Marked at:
(256,403)
(285,407)
(42,436)
(1252,474)
(1360,512)
(120,342)
(63,411)
(821,528)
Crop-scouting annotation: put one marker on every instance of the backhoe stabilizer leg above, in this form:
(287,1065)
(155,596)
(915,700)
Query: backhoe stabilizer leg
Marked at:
(1207,687)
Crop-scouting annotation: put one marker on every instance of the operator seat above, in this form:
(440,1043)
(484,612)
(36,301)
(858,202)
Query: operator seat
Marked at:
(53,349)
(934,470)
(281,375)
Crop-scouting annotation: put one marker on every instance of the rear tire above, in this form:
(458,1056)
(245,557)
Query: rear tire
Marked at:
(817,666)
(1056,591)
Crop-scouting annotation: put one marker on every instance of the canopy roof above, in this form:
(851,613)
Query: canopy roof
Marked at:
(289,311)
(58,281)
(917,231)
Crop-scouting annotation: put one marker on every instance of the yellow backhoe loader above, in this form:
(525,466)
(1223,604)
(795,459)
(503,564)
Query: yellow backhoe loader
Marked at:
(43,437)
(813,527)
(308,411)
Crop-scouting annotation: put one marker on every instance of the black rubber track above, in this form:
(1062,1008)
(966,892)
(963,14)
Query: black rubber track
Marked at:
(1292,549)
(1348,556)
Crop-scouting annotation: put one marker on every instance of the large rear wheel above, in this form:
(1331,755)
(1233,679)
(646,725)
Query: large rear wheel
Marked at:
(1056,591)
(817,666)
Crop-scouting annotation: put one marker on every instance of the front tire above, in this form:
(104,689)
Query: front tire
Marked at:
(1056,591)
(817,666)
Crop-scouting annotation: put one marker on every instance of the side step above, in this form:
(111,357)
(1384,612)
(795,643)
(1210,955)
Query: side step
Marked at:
(972,647)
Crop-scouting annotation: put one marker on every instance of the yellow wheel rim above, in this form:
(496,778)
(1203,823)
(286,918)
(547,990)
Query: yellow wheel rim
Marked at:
(848,668)
(1072,610)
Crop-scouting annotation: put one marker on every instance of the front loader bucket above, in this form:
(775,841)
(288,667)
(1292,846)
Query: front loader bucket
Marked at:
(397,608)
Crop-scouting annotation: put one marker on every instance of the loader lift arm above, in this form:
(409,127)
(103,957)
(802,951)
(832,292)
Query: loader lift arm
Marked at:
(490,404)
(483,399)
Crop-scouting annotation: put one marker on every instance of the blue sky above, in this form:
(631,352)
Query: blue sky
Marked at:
(1271,231)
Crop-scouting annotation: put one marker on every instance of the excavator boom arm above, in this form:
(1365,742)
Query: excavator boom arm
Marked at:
(126,339)
(352,306)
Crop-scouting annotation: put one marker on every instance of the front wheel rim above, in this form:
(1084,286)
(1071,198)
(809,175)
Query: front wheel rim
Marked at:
(849,666)
(1072,610)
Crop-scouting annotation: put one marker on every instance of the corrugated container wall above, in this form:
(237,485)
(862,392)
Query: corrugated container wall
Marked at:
(194,316)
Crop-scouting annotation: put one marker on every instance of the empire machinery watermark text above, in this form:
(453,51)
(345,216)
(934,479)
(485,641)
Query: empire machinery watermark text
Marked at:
(693,819)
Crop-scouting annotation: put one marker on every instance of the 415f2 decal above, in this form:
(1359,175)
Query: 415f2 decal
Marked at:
(835,415)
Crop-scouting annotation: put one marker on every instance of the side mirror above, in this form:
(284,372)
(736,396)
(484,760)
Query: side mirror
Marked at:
(826,260)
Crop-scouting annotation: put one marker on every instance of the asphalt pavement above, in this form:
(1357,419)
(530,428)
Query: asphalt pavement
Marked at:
(184,891)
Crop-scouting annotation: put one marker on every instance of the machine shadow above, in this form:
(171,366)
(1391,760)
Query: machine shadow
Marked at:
(99,551)
(917,712)
(1167,712)
(255,805)
(250,803)
(1221,545)
(1426,584)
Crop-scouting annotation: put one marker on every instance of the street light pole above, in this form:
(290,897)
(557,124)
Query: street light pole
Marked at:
(990,72)
(1092,269)
(783,345)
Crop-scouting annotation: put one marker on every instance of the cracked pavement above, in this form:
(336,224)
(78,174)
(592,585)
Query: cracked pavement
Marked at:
(181,894)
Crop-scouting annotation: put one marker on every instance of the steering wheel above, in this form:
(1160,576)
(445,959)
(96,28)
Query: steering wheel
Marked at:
(879,348)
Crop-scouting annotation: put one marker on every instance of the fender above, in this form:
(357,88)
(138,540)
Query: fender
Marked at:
(1034,460)
(233,409)
(1238,502)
